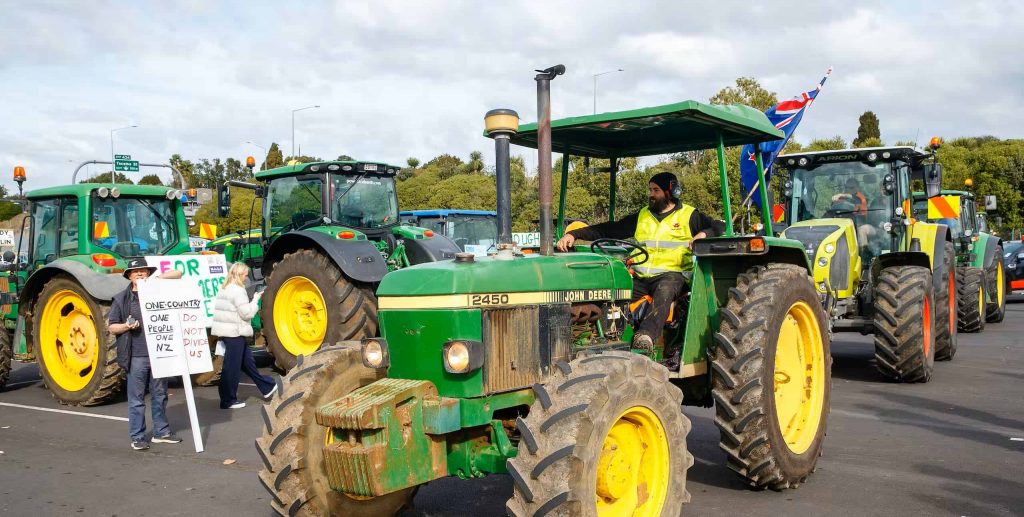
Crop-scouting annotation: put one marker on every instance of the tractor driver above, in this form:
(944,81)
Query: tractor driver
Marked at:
(665,228)
(853,195)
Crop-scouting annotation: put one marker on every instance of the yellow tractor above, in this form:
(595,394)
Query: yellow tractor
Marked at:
(879,270)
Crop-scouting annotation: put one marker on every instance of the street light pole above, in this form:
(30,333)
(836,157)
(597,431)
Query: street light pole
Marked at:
(293,125)
(595,84)
(113,177)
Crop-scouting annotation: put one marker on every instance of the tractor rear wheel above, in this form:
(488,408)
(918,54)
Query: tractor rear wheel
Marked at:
(606,435)
(971,289)
(292,443)
(905,323)
(946,334)
(310,302)
(6,355)
(77,356)
(772,376)
(995,309)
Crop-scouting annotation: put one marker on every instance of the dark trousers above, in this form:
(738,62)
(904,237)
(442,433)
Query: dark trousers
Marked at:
(238,359)
(139,377)
(663,289)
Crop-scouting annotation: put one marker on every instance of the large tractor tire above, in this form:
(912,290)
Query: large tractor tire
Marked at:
(210,378)
(971,290)
(995,307)
(946,332)
(905,324)
(605,436)
(292,443)
(309,302)
(772,376)
(6,356)
(77,356)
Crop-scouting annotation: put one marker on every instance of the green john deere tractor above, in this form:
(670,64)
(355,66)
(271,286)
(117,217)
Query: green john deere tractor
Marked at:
(522,364)
(883,272)
(330,232)
(981,283)
(76,240)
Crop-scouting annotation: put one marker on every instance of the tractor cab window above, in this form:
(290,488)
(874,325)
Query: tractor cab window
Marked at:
(44,230)
(293,201)
(133,227)
(368,201)
(473,230)
(68,228)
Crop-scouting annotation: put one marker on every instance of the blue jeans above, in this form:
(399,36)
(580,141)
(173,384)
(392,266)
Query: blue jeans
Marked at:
(237,359)
(139,376)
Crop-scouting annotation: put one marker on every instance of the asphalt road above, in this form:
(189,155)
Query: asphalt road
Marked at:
(954,446)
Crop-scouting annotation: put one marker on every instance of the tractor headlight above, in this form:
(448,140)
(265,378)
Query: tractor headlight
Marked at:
(375,353)
(829,248)
(887,226)
(872,157)
(115,192)
(822,261)
(102,192)
(802,162)
(462,356)
(822,287)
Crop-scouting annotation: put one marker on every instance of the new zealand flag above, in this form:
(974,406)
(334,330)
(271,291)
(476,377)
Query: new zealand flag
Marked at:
(785,115)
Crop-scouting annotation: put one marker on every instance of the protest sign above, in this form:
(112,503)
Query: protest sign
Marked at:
(206,271)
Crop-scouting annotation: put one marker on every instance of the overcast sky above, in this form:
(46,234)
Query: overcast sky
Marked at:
(401,79)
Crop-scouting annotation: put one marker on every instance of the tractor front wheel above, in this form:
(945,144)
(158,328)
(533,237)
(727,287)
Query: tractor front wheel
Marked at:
(77,356)
(946,334)
(772,376)
(605,436)
(905,323)
(6,355)
(292,443)
(995,309)
(971,290)
(310,302)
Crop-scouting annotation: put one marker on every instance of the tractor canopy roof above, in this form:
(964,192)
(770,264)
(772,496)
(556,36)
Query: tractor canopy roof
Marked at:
(907,153)
(672,128)
(447,212)
(85,189)
(337,167)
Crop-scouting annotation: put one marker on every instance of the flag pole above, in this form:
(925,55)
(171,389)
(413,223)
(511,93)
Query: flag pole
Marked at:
(750,195)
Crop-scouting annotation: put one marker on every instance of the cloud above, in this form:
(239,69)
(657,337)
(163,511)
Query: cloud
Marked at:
(400,79)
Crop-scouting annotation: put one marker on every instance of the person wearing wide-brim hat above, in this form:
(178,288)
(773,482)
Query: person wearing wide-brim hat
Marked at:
(125,322)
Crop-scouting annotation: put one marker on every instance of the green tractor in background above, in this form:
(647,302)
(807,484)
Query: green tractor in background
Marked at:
(522,364)
(884,272)
(330,232)
(981,282)
(76,240)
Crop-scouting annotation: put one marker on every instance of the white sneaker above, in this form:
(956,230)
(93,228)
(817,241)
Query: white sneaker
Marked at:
(237,405)
(270,395)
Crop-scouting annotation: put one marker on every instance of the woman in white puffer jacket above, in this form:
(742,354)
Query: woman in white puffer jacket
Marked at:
(232,311)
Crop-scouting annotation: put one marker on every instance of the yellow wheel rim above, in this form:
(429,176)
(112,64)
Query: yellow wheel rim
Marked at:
(68,340)
(633,468)
(799,381)
(300,316)
(999,286)
(981,302)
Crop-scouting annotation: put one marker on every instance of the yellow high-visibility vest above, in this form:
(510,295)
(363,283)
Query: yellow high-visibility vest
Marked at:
(667,241)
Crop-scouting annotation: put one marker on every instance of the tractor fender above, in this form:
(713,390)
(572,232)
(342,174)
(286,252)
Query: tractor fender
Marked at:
(430,249)
(358,259)
(986,246)
(899,258)
(932,238)
(101,286)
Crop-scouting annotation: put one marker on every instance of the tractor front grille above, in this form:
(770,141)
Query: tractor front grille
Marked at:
(522,343)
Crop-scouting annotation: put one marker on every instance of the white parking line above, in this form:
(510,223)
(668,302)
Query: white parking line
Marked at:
(64,411)
(22,383)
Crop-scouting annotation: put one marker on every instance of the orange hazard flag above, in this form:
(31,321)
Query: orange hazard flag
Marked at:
(778,213)
(208,231)
(100,230)
(944,207)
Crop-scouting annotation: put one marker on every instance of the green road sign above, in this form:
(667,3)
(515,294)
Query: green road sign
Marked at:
(126,165)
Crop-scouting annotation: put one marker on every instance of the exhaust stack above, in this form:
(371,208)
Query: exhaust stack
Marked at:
(543,78)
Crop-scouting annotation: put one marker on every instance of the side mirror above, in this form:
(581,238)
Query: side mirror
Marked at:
(990,203)
(932,179)
(223,200)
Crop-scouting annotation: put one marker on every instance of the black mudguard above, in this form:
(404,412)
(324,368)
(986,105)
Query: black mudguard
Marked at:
(431,249)
(100,286)
(358,259)
(990,250)
(900,258)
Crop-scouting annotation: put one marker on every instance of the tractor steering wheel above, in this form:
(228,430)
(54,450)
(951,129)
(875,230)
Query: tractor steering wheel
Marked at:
(634,250)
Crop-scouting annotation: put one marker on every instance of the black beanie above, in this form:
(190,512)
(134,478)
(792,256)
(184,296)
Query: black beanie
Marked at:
(664,180)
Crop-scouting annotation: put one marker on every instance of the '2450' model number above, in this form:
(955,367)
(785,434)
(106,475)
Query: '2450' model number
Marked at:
(488,299)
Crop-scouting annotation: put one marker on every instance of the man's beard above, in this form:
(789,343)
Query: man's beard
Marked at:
(656,205)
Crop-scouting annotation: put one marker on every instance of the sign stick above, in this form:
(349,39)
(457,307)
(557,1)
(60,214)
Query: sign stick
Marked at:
(190,401)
